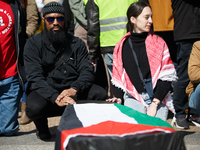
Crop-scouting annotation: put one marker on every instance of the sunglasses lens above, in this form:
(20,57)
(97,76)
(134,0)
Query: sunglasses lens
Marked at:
(60,19)
(50,19)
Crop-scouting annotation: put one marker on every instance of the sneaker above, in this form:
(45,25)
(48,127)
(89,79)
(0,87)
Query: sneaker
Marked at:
(182,123)
(195,120)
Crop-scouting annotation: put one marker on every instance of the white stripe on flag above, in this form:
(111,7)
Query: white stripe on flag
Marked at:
(90,114)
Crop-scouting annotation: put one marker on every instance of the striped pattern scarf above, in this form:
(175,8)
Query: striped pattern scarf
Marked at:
(160,63)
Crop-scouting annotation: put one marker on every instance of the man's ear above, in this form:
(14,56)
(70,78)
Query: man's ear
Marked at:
(43,19)
(133,20)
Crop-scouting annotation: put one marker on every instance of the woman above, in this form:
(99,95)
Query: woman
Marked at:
(142,68)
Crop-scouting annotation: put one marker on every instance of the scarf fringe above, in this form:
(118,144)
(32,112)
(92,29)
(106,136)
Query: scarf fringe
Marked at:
(120,86)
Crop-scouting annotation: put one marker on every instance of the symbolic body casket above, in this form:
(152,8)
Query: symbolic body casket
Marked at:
(93,126)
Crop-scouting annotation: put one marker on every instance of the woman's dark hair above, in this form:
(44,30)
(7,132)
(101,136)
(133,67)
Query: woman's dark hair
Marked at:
(135,9)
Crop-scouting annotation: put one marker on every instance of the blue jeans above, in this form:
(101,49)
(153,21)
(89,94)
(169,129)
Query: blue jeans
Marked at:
(162,110)
(108,58)
(194,101)
(10,94)
(24,93)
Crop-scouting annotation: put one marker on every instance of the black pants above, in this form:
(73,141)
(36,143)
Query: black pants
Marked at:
(39,109)
(180,97)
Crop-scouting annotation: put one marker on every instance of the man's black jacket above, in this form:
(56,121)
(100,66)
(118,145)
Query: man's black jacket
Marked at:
(40,57)
(20,37)
(186,19)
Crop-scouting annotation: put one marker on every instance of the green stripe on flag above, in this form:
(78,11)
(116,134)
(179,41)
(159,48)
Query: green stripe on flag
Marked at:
(142,118)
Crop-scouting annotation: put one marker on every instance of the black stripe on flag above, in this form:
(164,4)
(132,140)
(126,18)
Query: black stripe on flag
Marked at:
(69,120)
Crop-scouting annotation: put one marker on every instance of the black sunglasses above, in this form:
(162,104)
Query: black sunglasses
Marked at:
(51,19)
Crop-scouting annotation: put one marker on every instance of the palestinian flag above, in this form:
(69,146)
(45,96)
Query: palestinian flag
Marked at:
(107,120)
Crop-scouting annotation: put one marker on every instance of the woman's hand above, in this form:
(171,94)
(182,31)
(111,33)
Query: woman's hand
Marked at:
(114,100)
(151,111)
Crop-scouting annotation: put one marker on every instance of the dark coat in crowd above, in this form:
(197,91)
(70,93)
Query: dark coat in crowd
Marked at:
(40,58)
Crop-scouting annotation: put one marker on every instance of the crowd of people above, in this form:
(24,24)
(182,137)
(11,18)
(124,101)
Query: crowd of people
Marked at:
(59,52)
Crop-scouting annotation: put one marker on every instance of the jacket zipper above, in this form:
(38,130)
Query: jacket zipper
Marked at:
(17,42)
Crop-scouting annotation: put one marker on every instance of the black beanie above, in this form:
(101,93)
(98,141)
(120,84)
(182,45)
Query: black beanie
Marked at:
(53,7)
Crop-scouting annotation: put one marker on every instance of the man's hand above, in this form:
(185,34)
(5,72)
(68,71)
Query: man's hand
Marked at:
(65,101)
(151,111)
(68,92)
(65,97)
(114,100)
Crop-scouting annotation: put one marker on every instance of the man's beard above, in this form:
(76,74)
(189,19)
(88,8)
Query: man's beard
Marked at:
(56,38)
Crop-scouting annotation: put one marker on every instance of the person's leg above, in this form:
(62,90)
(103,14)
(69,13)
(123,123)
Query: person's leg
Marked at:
(38,109)
(194,101)
(35,105)
(23,100)
(162,112)
(108,62)
(129,101)
(101,74)
(180,97)
(24,119)
(194,107)
(42,128)
(10,94)
(94,93)
(108,58)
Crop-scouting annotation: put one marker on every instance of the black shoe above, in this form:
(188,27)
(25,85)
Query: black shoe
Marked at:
(195,120)
(182,123)
(43,135)
(42,129)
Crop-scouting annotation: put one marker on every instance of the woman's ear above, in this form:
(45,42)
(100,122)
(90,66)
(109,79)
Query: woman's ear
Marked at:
(133,20)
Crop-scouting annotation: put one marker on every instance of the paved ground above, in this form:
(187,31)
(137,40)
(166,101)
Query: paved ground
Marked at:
(27,140)
(191,136)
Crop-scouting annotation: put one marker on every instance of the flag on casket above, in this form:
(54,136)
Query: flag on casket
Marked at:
(109,120)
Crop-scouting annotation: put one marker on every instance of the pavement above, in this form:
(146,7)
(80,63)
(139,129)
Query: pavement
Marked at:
(26,137)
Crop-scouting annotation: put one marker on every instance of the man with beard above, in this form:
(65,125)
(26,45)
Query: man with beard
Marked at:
(58,70)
